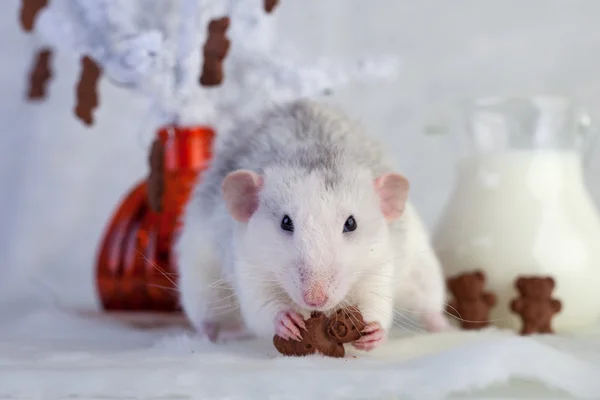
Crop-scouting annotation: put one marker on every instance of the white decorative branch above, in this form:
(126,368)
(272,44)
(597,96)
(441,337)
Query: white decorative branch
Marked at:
(159,56)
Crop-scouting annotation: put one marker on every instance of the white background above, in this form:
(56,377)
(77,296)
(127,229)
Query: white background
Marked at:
(60,182)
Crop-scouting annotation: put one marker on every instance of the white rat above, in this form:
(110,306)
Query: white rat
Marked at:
(301,211)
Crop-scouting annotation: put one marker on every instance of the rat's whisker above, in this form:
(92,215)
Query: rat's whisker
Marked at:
(396,323)
(409,321)
(167,288)
(401,312)
(221,281)
(228,306)
(157,267)
(250,274)
(231,296)
(224,310)
(229,303)
(397,307)
(396,311)
(351,318)
(224,288)
(456,315)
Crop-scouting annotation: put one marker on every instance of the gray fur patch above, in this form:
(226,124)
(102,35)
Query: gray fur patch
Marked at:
(306,135)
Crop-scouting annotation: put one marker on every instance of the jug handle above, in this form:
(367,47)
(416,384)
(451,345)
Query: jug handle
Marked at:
(589,135)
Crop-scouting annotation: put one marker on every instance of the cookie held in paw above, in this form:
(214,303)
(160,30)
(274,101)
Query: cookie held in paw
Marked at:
(324,335)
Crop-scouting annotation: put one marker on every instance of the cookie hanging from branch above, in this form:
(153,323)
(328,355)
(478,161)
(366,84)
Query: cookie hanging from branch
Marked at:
(215,50)
(270,5)
(87,90)
(40,74)
(156,184)
(29,12)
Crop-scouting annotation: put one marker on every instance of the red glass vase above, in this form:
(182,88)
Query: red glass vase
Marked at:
(136,269)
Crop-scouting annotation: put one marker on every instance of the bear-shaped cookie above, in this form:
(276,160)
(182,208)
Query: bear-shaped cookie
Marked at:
(214,51)
(471,304)
(535,304)
(324,335)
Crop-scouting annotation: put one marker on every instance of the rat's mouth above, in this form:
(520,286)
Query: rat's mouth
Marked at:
(323,308)
(315,300)
(326,305)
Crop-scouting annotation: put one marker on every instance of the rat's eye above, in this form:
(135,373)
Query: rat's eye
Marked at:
(287,224)
(350,224)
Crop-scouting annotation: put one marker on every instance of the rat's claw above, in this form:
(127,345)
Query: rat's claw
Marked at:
(297,319)
(286,325)
(373,336)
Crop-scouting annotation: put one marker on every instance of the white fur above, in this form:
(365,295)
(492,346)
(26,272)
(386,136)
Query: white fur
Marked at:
(262,269)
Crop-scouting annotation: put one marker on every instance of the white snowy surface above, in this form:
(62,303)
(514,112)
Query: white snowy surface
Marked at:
(63,355)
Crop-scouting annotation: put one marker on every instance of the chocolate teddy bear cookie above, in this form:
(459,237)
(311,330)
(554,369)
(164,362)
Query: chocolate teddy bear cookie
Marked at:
(471,304)
(214,51)
(535,304)
(269,5)
(29,13)
(87,90)
(324,335)
(40,74)
(156,180)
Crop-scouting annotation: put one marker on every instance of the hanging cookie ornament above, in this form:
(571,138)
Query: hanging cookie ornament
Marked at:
(41,69)
(29,13)
(87,90)
(270,5)
(156,179)
(40,75)
(214,52)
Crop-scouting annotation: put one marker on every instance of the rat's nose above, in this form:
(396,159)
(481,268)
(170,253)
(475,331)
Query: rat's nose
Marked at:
(315,296)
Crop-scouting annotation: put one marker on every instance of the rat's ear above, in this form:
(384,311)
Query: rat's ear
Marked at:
(393,193)
(240,190)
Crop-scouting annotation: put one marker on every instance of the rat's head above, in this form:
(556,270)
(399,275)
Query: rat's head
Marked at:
(314,233)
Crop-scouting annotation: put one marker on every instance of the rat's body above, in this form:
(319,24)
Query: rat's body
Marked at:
(302,211)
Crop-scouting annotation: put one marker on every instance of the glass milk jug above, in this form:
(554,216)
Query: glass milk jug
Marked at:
(520,206)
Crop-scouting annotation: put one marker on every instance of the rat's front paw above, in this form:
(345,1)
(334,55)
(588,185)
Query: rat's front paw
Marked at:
(373,336)
(288,324)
